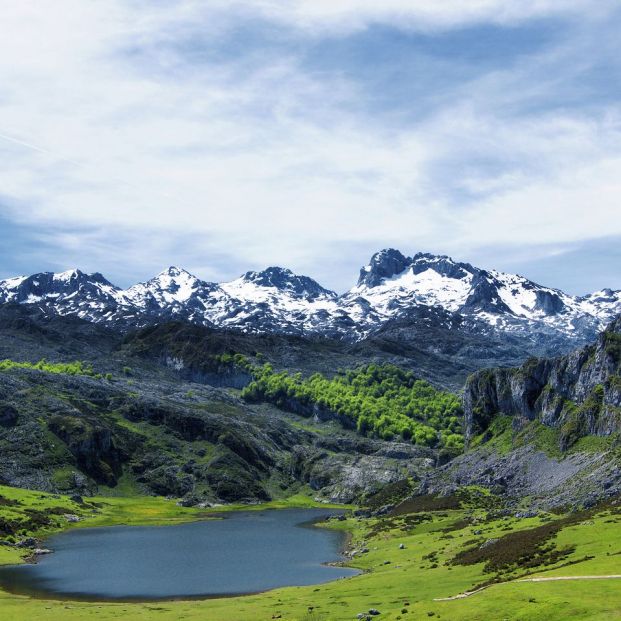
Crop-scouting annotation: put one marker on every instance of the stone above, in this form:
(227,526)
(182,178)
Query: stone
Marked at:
(487,543)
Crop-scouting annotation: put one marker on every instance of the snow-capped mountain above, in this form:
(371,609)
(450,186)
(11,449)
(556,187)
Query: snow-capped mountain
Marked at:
(392,290)
(392,282)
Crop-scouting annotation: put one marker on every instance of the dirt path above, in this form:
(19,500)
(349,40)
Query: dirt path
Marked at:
(555,578)
(544,579)
(461,595)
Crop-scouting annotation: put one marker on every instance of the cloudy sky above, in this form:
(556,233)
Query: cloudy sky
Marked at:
(222,135)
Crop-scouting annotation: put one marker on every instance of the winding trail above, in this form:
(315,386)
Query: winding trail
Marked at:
(543,579)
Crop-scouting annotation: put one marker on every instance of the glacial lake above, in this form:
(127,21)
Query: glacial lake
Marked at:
(245,552)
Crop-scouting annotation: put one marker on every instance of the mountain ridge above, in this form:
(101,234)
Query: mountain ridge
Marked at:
(391,287)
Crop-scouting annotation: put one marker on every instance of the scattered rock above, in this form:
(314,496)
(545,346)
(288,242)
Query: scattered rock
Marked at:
(487,543)
(525,514)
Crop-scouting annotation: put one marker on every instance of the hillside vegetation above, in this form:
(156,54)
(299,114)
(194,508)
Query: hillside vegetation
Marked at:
(384,401)
(65,368)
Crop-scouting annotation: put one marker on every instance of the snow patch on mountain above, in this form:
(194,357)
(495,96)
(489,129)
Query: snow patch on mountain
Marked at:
(391,287)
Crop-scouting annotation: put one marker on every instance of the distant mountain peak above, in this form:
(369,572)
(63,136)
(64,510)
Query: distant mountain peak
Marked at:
(78,276)
(383,264)
(172,286)
(393,289)
(285,280)
(175,272)
(68,274)
(388,263)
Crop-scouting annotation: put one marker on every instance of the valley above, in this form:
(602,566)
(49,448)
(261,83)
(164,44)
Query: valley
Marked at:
(469,492)
(310,310)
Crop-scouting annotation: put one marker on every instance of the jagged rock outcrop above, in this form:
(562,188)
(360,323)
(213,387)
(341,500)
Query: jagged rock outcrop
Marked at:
(579,393)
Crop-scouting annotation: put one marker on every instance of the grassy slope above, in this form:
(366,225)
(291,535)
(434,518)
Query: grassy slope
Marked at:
(408,581)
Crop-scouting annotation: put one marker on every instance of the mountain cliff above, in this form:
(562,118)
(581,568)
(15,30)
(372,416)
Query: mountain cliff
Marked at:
(579,393)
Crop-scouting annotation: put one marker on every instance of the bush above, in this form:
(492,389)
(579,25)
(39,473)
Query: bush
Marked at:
(65,368)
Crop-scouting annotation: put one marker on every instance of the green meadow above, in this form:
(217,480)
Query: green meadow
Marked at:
(410,560)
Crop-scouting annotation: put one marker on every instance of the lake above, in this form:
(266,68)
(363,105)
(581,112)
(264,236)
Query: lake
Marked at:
(245,552)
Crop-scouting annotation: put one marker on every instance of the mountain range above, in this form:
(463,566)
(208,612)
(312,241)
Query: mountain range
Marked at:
(395,297)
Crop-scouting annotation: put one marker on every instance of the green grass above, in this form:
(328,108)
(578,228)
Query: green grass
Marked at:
(424,570)
(500,437)
(65,368)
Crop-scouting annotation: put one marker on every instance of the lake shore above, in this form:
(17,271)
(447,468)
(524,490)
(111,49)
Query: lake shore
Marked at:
(247,552)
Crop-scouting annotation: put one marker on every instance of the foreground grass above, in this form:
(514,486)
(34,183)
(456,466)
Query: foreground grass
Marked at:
(401,583)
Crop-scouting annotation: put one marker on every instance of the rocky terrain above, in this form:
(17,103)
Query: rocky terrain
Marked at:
(547,431)
(158,410)
(579,394)
(141,423)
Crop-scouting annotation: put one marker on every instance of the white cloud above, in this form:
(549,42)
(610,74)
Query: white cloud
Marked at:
(418,14)
(266,160)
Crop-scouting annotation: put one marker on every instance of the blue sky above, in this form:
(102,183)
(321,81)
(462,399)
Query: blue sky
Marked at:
(223,136)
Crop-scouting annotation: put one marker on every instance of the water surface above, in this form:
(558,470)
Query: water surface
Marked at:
(245,552)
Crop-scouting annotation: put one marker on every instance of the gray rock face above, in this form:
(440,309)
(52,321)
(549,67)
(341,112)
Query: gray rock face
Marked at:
(576,395)
(579,479)
(484,296)
(579,393)
(383,264)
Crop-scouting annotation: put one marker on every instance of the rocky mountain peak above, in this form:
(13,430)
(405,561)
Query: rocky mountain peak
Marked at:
(54,285)
(383,264)
(174,276)
(172,286)
(175,272)
(285,280)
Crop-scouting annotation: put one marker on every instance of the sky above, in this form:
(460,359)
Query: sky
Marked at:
(223,136)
